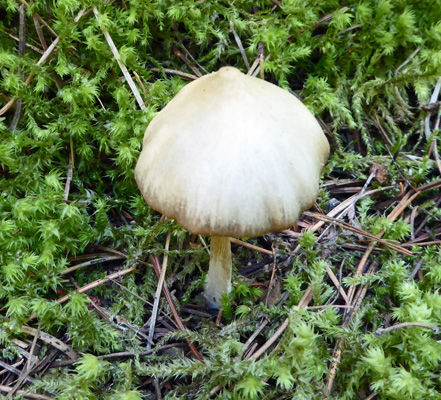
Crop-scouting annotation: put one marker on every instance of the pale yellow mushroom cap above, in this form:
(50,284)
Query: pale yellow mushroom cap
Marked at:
(232,155)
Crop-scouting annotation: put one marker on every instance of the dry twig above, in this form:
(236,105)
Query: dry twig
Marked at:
(41,61)
(395,327)
(167,294)
(25,393)
(124,70)
(356,301)
(250,246)
(158,291)
(239,44)
(21,52)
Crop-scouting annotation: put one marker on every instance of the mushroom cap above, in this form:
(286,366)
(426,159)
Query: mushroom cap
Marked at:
(232,155)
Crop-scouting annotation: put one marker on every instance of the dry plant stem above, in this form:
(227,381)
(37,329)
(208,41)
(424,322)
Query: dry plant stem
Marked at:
(92,285)
(36,49)
(21,52)
(204,244)
(143,300)
(24,2)
(239,44)
(11,367)
(119,322)
(429,186)
(433,99)
(122,354)
(371,396)
(307,296)
(345,205)
(326,306)
(426,236)
(53,341)
(397,211)
(250,352)
(15,371)
(359,296)
(431,243)
(352,205)
(28,368)
(139,81)
(43,366)
(189,64)
(167,294)
(26,394)
(181,44)
(158,292)
(254,335)
(219,317)
(29,355)
(396,73)
(157,389)
(413,215)
(219,271)
(181,74)
(435,145)
(253,67)
(261,51)
(338,349)
(110,250)
(39,32)
(32,359)
(244,349)
(91,256)
(386,137)
(271,340)
(416,269)
(259,69)
(250,246)
(123,287)
(121,65)
(70,169)
(395,327)
(271,282)
(89,263)
(359,231)
(101,313)
(98,282)
(41,61)
(337,284)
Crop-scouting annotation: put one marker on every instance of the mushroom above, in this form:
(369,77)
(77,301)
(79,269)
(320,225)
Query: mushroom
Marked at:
(231,155)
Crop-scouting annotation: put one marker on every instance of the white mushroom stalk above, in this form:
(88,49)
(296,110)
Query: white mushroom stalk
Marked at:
(231,155)
(219,271)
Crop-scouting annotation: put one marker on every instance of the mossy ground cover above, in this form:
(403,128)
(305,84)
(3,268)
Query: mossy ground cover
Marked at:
(344,306)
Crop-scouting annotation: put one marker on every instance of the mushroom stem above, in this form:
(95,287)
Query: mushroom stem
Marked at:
(219,271)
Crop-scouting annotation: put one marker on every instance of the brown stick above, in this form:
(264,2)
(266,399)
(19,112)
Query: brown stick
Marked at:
(375,238)
(158,291)
(21,52)
(395,327)
(167,294)
(338,349)
(250,246)
(98,282)
(356,302)
(27,394)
